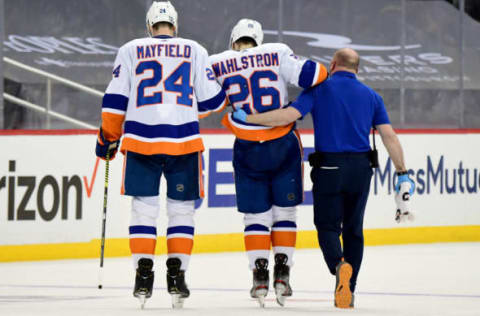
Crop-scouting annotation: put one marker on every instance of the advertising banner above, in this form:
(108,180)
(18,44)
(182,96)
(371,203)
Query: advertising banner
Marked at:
(51,190)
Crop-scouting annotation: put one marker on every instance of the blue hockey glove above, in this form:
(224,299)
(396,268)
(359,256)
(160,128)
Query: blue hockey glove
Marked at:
(403,177)
(240,115)
(104,146)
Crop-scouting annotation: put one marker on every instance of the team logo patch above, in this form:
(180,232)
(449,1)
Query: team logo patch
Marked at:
(291,196)
(180,187)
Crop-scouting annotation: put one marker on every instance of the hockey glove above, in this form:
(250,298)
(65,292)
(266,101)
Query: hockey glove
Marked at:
(403,177)
(104,146)
(240,115)
(402,200)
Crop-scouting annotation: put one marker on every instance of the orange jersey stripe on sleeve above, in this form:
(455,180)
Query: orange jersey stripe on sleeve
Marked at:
(322,74)
(112,125)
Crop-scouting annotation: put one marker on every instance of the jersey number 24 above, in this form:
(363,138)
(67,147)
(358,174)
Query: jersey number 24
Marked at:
(177,82)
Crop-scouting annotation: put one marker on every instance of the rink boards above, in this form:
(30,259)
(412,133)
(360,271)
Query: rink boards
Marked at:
(51,196)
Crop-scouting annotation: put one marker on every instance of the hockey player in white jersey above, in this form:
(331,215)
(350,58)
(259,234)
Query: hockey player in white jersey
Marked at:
(268,162)
(160,86)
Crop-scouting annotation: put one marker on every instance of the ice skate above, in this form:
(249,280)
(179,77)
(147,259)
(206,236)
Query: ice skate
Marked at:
(281,277)
(144,281)
(176,285)
(260,281)
(343,294)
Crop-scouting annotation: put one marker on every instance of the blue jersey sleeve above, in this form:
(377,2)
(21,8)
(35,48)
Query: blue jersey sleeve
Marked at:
(380,115)
(305,101)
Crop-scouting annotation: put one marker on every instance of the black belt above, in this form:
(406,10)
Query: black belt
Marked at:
(317,158)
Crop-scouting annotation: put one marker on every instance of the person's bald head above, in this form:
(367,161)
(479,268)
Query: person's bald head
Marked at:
(345,59)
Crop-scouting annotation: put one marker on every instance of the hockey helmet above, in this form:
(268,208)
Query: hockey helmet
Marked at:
(162,12)
(247,28)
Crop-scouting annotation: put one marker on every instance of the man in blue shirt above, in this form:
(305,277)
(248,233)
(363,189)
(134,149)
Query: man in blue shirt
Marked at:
(344,110)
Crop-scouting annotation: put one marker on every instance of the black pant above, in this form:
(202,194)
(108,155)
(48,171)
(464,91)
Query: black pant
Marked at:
(341,182)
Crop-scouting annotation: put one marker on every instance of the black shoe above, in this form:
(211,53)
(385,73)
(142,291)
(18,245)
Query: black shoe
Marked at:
(260,278)
(281,277)
(176,278)
(144,278)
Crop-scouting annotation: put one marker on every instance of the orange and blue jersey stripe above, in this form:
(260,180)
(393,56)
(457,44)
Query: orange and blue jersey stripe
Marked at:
(162,138)
(143,239)
(284,234)
(114,107)
(115,103)
(312,74)
(215,104)
(148,139)
(180,239)
(257,237)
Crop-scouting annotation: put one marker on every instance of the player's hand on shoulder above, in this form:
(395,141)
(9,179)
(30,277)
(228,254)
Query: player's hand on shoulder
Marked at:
(240,115)
(104,146)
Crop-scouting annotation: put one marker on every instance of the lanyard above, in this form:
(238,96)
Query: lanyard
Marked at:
(374,153)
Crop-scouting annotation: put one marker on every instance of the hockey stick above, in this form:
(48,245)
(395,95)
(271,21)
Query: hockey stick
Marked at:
(104,221)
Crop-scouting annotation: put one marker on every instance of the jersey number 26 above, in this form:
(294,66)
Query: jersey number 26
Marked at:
(252,86)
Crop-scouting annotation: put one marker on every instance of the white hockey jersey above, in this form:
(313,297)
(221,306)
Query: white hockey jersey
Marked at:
(255,79)
(159,88)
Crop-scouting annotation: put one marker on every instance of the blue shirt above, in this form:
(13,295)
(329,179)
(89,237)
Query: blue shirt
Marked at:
(343,110)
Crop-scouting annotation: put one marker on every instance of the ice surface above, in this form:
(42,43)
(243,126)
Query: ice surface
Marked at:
(432,279)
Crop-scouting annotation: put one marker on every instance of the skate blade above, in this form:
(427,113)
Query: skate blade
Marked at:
(279,290)
(261,301)
(260,296)
(177,301)
(143,299)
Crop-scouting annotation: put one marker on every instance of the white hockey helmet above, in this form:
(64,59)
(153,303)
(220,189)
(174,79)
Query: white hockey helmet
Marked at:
(247,28)
(162,12)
